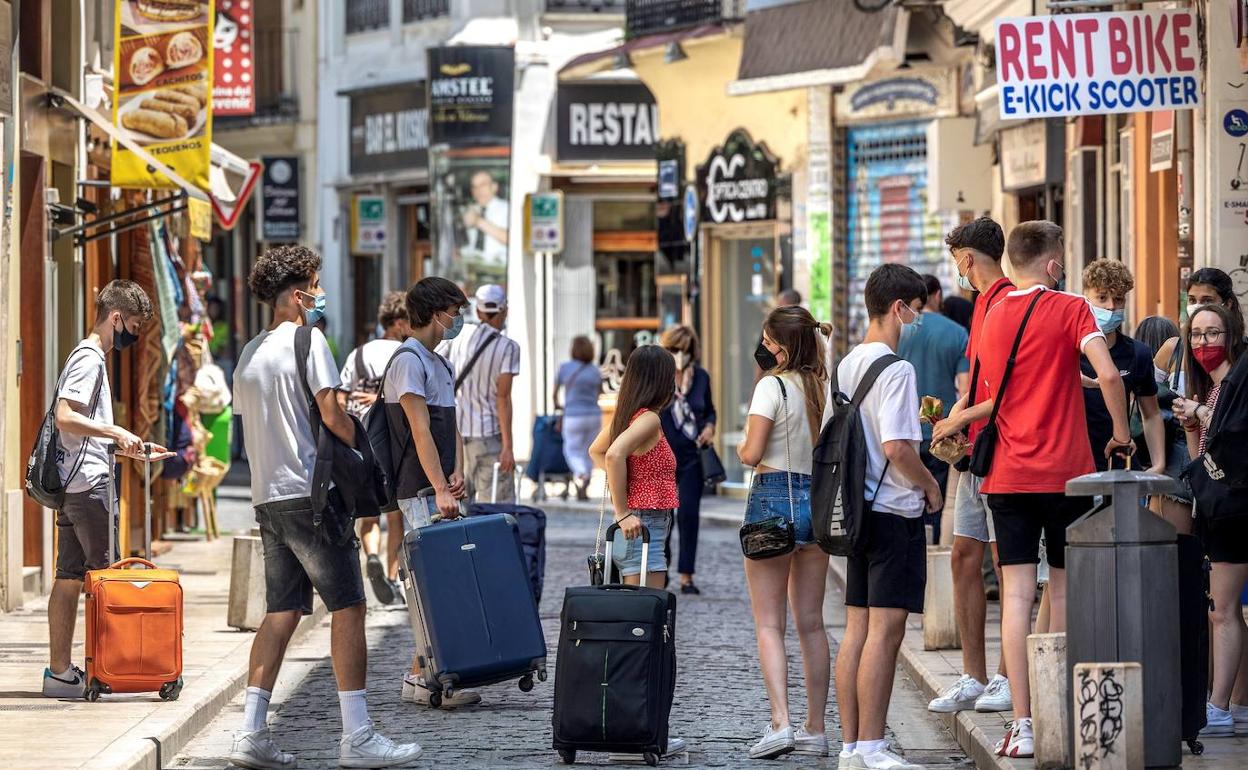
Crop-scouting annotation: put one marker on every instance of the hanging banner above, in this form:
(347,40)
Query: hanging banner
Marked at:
(162,65)
(233,68)
(1098,63)
(471,92)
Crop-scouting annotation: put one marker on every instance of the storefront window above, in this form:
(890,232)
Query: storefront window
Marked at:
(626,308)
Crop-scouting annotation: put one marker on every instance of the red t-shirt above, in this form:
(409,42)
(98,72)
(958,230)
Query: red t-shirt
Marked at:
(995,294)
(1042,430)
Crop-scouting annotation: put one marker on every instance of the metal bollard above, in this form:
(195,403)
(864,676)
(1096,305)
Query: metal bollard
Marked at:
(1122,600)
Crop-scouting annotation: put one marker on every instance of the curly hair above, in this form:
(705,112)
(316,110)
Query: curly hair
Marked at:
(281,268)
(1109,275)
(393,309)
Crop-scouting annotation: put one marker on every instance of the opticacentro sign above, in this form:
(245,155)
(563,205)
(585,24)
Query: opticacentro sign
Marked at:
(389,128)
(1097,63)
(471,89)
(606,121)
(738,182)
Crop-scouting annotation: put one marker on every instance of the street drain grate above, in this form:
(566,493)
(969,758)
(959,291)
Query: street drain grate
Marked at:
(40,707)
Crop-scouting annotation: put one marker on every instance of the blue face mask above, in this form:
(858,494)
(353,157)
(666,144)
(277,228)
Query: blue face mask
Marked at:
(964,279)
(1107,320)
(455,328)
(311,317)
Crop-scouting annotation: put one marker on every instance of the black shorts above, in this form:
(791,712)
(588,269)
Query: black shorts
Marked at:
(298,558)
(1226,540)
(892,569)
(1019,519)
(82,533)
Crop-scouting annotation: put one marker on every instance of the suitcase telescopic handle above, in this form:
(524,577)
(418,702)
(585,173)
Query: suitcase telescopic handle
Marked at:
(435,517)
(645,550)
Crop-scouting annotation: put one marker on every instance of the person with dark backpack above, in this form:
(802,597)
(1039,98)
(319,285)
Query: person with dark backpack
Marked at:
(361,381)
(887,567)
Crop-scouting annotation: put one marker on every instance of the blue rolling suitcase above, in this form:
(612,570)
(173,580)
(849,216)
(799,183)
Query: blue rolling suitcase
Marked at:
(472,611)
(546,461)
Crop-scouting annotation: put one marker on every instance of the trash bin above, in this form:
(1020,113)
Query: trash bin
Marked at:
(1122,601)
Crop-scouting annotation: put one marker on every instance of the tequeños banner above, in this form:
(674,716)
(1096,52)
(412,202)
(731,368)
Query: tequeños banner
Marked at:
(162,71)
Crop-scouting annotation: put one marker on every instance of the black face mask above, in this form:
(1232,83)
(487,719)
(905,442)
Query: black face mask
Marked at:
(123,338)
(765,358)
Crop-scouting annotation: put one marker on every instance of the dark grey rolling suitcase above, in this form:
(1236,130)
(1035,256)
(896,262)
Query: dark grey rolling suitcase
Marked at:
(616,671)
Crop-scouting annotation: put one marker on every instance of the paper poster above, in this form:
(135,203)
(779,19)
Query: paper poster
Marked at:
(162,64)
(233,66)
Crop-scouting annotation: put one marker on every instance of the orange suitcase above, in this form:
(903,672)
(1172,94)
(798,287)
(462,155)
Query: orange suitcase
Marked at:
(134,620)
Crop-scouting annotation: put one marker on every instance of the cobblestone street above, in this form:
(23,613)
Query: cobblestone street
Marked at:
(720,706)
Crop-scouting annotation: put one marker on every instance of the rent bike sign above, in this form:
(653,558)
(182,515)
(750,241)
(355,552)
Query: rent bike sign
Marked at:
(1097,63)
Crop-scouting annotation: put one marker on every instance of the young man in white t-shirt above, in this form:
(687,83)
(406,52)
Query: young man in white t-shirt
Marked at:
(84,417)
(299,555)
(885,583)
(361,381)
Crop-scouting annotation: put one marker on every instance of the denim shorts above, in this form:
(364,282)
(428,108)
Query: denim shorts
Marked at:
(627,553)
(299,558)
(769,498)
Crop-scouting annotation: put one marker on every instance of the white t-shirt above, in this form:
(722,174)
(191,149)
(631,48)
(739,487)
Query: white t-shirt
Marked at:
(276,428)
(85,366)
(425,374)
(768,402)
(376,355)
(890,412)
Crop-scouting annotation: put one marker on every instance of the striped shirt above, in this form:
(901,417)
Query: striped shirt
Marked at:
(477,404)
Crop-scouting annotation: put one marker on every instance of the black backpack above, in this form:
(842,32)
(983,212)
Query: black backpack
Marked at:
(43,478)
(838,504)
(377,425)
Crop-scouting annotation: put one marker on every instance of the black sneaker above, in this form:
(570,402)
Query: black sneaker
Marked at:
(377,576)
(689,588)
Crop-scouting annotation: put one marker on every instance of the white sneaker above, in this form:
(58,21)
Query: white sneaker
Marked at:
(1240,715)
(1019,742)
(675,746)
(1218,723)
(774,743)
(415,692)
(71,684)
(959,696)
(368,748)
(256,751)
(844,761)
(996,696)
(809,745)
(881,760)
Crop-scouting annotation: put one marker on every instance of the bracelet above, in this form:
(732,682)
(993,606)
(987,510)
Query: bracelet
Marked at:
(1192,428)
(1118,440)
(625,516)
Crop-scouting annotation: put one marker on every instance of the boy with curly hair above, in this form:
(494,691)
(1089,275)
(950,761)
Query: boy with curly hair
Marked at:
(300,556)
(1106,283)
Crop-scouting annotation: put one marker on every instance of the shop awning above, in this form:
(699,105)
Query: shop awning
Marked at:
(817,43)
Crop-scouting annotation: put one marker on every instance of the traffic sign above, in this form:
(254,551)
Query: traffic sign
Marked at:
(543,221)
(691,212)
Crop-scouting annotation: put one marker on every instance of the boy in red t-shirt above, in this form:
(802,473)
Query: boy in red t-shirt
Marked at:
(1042,441)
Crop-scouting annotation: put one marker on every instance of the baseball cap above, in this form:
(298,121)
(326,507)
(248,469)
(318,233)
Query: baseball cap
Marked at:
(491,298)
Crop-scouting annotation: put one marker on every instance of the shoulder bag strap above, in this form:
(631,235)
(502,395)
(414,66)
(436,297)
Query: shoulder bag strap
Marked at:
(1175,367)
(361,374)
(476,354)
(1009,364)
(303,348)
(95,401)
(788,460)
(873,373)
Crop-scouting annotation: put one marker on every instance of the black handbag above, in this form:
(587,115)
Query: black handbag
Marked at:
(986,441)
(712,467)
(776,536)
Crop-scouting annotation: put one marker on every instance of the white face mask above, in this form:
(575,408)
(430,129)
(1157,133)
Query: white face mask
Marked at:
(682,360)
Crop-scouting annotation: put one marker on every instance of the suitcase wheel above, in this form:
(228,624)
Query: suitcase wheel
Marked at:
(171,690)
(435,699)
(541,675)
(93,691)
(651,758)
(1196,747)
(526,683)
(567,756)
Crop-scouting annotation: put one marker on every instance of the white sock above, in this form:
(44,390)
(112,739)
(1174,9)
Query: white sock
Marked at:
(256,709)
(848,748)
(354,710)
(870,747)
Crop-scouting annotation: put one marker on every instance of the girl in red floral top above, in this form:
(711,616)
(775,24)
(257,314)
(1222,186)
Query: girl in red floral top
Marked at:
(640,466)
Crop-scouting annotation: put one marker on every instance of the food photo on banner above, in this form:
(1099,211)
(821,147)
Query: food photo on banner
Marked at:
(163,99)
(471,89)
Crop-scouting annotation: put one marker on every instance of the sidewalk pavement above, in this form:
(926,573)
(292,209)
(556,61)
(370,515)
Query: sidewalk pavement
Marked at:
(126,731)
(933,671)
